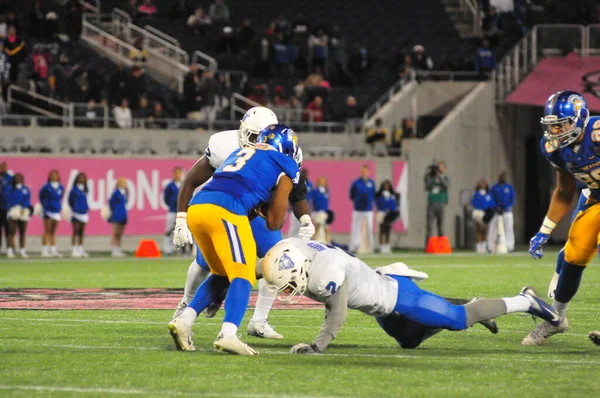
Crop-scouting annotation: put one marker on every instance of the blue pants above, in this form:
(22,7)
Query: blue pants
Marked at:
(422,308)
(264,237)
(407,333)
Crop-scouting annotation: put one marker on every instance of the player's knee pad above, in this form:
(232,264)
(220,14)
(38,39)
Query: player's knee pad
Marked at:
(578,255)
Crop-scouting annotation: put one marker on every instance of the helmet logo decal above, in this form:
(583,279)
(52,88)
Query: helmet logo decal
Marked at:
(285,262)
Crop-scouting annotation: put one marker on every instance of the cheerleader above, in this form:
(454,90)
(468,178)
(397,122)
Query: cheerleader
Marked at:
(387,212)
(320,215)
(79,214)
(51,196)
(17,197)
(118,215)
(483,210)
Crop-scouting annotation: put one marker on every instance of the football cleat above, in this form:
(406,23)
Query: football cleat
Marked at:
(544,331)
(595,337)
(552,286)
(233,345)
(182,335)
(179,310)
(539,308)
(263,329)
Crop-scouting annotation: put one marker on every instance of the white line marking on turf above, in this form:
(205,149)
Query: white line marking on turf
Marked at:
(121,391)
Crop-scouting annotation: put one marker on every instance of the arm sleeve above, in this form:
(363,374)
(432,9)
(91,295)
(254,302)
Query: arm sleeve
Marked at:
(352,191)
(299,191)
(112,202)
(42,196)
(428,183)
(336,311)
(27,199)
(71,198)
(512,197)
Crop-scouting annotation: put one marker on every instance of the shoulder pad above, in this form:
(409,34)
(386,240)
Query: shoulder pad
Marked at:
(594,128)
(326,274)
(220,146)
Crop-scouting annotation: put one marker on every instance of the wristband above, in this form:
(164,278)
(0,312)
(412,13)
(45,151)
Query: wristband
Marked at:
(305,219)
(182,214)
(547,226)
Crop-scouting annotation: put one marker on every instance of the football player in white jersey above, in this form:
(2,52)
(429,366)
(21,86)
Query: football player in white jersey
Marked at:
(220,146)
(406,312)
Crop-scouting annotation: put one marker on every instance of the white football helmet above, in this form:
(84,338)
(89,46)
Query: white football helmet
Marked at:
(253,122)
(285,269)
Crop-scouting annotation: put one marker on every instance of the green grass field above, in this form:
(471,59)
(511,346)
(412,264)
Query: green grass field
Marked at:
(129,352)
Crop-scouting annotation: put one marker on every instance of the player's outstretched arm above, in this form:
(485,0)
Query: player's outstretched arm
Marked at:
(560,203)
(279,203)
(200,172)
(336,311)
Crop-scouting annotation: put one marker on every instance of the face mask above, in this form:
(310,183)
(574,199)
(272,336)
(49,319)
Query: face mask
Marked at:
(482,191)
(55,184)
(386,194)
(19,186)
(80,187)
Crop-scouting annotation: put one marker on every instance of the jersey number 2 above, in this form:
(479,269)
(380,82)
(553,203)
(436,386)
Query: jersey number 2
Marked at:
(242,157)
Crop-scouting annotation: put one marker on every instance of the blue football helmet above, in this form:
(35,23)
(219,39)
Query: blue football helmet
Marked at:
(281,138)
(565,118)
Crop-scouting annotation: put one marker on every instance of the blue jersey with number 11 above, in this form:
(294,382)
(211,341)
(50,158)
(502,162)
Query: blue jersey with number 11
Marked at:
(581,160)
(246,179)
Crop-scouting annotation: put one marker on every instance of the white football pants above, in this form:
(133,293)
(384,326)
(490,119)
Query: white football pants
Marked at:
(509,231)
(361,219)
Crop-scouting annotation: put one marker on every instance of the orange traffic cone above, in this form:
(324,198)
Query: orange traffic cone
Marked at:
(148,248)
(438,245)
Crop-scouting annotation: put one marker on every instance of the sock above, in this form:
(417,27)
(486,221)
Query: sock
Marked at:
(53,250)
(189,316)
(517,304)
(74,251)
(44,250)
(22,251)
(561,308)
(208,292)
(559,260)
(265,300)
(195,276)
(568,282)
(237,299)
(228,329)
(81,250)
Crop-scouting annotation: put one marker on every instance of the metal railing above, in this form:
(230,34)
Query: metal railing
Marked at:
(119,18)
(109,45)
(593,39)
(204,61)
(385,97)
(34,102)
(162,35)
(472,7)
(151,41)
(239,104)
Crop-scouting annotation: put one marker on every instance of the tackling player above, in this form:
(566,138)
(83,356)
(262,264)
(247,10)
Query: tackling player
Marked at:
(220,146)
(218,218)
(571,143)
(407,313)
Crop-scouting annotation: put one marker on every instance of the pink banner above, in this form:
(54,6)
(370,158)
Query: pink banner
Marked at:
(146,179)
(581,74)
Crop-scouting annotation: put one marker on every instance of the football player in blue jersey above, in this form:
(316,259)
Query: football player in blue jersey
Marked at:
(261,175)
(571,143)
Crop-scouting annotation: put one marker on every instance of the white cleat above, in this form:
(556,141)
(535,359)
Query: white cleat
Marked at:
(118,254)
(179,310)
(552,286)
(233,345)
(75,254)
(182,335)
(57,255)
(10,253)
(263,329)
(544,331)
(46,255)
(23,253)
(84,254)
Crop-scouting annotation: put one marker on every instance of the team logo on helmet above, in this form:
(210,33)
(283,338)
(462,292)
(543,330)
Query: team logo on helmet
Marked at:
(577,102)
(285,262)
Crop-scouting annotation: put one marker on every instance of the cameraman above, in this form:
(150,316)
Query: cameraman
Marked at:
(436,185)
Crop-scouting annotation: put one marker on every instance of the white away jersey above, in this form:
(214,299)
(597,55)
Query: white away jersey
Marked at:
(220,146)
(368,291)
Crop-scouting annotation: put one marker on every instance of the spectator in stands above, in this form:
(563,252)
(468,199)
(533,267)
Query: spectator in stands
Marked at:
(258,94)
(4,70)
(6,179)
(199,22)
(91,116)
(181,8)
(245,34)
(282,25)
(118,215)
(147,9)
(143,111)
(170,194)
(219,12)
(73,20)
(18,200)
(3,27)
(422,60)
(386,200)
(492,25)
(314,111)
(118,85)
(318,44)
(281,57)
(122,114)
(378,138)
(436,185)
(78,202)
(14,48)
(352,114)
(50,197)
(485,60)
(295,111)
(209,89)
(359,63)
(136,86)
(228,42)
(191,93)
(320,210)
(407,71)
(156,118)
(139,54)
(362,194)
